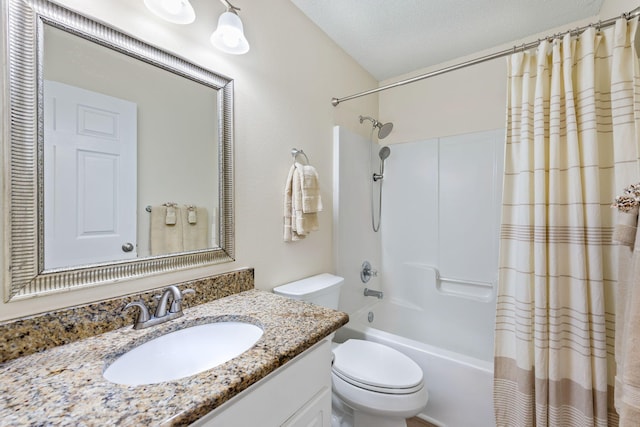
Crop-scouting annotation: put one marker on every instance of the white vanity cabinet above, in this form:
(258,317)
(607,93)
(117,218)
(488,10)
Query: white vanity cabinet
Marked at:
(297,394)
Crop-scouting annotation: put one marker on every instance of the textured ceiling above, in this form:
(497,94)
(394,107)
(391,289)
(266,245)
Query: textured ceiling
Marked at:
(393,37)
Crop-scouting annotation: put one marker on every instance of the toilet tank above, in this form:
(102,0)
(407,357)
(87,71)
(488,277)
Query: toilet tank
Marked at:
(322,289)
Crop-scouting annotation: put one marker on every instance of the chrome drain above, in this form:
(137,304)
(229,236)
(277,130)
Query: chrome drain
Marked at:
(370,317)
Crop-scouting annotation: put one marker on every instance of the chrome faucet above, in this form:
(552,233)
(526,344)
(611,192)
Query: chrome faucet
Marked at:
(161,315)
(371,293)
(161,309)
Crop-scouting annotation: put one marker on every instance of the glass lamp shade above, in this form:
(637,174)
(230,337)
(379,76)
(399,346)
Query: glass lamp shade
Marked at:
(176,11)
(229,36)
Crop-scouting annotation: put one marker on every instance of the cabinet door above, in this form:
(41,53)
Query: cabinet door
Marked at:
(315,413)
(301,385)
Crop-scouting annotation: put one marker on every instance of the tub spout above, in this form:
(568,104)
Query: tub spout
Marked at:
(371,293)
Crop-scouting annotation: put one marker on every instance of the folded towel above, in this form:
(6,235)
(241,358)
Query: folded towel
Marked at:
(172,214)
(311,200)
(165,238)
(290,234)
(195,228)
(304,223)
(302,202)
(625,231)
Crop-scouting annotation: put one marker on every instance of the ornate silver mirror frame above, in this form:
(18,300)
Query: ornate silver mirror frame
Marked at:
(24,274)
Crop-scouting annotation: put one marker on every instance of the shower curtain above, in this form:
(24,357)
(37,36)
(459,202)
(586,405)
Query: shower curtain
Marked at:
(571,148)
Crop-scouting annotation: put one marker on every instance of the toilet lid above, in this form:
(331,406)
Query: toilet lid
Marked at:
(376,367)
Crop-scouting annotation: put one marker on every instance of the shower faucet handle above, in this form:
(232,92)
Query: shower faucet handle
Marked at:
(367,272)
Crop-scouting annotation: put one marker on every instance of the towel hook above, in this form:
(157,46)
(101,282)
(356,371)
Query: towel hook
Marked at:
(295,153)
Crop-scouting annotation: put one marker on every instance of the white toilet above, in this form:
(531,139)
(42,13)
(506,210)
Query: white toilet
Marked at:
(373,385)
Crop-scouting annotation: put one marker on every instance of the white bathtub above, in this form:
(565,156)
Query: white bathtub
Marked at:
(460,386)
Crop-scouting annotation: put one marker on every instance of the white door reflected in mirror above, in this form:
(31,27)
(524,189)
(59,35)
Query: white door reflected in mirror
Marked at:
(90,167)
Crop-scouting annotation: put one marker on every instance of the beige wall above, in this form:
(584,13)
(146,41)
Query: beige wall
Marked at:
(468,100)
(283,89)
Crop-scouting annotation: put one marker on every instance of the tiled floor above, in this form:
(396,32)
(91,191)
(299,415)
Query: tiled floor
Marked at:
(417,422)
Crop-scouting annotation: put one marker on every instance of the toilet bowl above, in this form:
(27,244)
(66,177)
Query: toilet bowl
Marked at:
(378,386)
(373,385)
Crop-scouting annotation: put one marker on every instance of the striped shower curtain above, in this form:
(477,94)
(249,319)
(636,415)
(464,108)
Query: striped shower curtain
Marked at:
(571,148)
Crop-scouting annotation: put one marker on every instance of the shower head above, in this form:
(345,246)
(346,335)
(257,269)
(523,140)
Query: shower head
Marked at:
(384,128)
(384,153)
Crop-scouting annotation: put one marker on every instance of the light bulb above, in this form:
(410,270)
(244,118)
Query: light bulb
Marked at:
(229,36)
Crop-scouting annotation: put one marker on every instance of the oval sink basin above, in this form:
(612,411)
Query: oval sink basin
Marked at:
(183,353)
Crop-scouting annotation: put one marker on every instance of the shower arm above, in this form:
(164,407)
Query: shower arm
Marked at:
(383,128)
(371,119)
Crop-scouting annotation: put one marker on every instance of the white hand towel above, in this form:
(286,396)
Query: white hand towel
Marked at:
(304,223)
(625,231)
(311,200)
(290,234)
(164,238)
(195,235)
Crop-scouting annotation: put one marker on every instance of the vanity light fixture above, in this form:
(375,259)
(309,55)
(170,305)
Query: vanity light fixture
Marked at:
(229,36)
(176,11)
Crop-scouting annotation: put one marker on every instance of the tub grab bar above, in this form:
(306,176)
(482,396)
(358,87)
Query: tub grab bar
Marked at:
(464,282)
(471,289)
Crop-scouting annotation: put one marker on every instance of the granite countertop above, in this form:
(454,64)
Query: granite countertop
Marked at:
(64,385)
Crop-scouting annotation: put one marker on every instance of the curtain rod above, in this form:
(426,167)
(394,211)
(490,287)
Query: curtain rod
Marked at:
(525,46)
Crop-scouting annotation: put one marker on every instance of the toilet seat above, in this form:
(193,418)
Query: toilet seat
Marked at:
(376,367)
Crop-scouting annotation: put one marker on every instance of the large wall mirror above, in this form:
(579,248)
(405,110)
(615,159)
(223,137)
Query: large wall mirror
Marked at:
(119,155)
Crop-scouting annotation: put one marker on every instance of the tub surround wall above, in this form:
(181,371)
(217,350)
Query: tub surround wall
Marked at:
(440,229)
(431,224)
(32,334)
(354,239)
(64,385)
